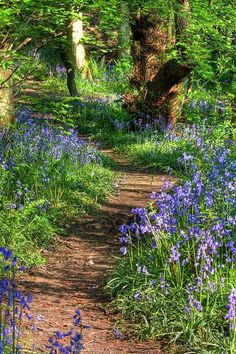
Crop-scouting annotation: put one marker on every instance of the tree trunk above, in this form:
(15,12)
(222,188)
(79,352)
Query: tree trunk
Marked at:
(70,72)
(71,82)
(73,54)
(171,22)
(124,32)
(147,49)
(77,49)
(158,82)
(181,18)
(68,56)
(182,14)
(7,114)
(163,90)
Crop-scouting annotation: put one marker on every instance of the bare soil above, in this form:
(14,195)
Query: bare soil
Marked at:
(75,273)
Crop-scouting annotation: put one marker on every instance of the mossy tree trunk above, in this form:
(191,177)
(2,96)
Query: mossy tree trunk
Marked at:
(163,90)
(124,32)
(70,71)
(181,21)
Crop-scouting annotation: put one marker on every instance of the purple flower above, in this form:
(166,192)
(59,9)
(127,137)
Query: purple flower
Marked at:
(144,270)
(124,250)
(231,314)
(117,333)
(152,283)
(137,296)
(195,303)
(174,253)
(164,285)
(6,253)
(139,268)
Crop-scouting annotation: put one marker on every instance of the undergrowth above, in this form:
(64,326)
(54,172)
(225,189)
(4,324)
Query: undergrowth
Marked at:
(176,278)
(48,176)
(100,114)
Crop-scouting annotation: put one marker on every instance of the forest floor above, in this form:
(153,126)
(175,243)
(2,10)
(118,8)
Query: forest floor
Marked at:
(76,271)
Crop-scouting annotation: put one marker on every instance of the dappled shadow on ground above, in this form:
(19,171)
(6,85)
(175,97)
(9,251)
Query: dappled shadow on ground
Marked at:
(76,270)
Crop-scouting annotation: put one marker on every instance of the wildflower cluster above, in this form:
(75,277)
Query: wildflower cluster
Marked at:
(53,152)
(185,242)
(14,305)
(75,345)
(42,167)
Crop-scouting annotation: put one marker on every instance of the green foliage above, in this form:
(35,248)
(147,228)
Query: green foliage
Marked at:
(162,316)
(48,177)
(159,154)
(106,78)
(37,198)
(170,284)
(210,43)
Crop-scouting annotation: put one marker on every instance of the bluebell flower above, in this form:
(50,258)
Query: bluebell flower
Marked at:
(137,296)
(231,314)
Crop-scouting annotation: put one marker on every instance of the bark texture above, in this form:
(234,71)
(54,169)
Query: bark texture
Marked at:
(124,32)
(158,81)
(163,90)
(77,50)
(70,72)
(68,56)
(73,54)
(7,114)
(148,47)
(182,14)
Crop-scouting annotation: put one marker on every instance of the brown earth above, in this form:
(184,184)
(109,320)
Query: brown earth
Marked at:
(76,270)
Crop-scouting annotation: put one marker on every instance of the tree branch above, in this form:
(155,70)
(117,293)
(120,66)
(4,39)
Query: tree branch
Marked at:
(9,77)
(45,42)
(20,82)
(169,75)
(25,42)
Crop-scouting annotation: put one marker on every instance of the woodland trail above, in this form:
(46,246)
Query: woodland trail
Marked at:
(76,270)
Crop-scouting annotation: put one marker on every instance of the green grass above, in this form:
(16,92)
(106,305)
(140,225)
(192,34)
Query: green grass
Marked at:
(142,310)
(49,177)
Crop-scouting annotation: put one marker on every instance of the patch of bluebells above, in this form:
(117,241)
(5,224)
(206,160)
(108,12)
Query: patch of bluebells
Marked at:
(119,125)
(15,306)
(188,234)
(42,139)
(69,342)
(205,107)
(231,314)
(97,106)
(48,155)
(195,133)
(60,71)
(144,122)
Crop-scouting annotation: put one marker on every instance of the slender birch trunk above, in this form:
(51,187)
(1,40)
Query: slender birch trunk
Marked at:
(78,54)
(73,54)
(7,113)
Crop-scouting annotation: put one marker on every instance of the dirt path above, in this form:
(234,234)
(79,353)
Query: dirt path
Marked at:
(75,273)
